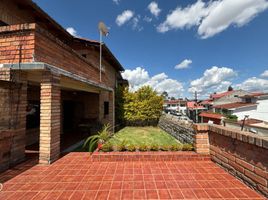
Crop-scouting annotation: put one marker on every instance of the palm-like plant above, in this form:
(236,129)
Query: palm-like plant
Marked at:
(101,137)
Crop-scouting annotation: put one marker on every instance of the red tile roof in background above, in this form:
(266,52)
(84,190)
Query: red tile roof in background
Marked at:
(211,115)
(234,105)
(207,102)
(250,121)
(217,96)
(194,105)
(174,101)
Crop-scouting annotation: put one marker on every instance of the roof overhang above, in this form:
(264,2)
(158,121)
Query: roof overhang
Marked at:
(72,78)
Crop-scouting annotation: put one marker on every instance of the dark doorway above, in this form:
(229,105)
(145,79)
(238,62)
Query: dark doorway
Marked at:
(68,116)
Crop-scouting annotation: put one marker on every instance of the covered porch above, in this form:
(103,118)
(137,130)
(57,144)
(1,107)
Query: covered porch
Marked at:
(54,110)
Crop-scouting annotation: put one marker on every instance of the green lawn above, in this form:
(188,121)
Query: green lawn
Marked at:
(143,135)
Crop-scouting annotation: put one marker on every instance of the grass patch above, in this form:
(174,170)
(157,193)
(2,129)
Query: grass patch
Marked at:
(138,136)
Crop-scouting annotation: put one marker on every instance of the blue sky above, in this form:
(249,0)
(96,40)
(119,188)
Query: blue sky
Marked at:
(178,46)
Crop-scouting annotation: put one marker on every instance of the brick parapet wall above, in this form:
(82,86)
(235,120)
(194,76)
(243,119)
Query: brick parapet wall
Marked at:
(201,142)
(242,154)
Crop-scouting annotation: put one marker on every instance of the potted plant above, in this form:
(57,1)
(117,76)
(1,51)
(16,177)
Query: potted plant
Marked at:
(97,141)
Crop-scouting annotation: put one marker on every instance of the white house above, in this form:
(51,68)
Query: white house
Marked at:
(260,111)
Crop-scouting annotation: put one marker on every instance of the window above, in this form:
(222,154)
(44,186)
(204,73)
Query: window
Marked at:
(106,108)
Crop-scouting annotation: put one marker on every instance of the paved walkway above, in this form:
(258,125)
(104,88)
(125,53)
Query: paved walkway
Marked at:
(75,176)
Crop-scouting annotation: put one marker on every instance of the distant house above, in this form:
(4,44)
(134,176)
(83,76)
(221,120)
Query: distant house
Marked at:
(254,105)
(210,117)
(193,111)
(178,105)
(228,97)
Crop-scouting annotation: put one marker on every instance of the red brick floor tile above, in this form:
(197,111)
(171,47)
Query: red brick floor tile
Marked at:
(115,194)
(225,193)
(127,194)
(76,176)
(188,193)
(90,195)
(151,194)
(164,194)
(176,194)
(65,195)
(53,195)
(212,193)
(160,185)
(139,185)
(77,195)
(200,193)
(238,193)
(150,185)
(139,194)
(102,194)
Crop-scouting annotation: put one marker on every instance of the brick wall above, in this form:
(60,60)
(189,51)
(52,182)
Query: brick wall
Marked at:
(108,97)
(242,154)
(30,42)
(17,43)
(13,119)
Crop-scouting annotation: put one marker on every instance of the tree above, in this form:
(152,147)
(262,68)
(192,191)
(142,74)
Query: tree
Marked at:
(230,88)
(165,95)
(172,98)
(143,107)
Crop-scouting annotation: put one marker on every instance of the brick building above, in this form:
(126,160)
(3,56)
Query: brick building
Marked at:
(50,85)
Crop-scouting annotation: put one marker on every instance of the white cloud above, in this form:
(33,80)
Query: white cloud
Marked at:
(184,64)
(116,2)
(254,84)
(160,82)
(213,17)
(147,19)
(124,17)
(184,17)
(135,23)
(265,74)
(229,12)
(215,79)
(72,31)
(154,9)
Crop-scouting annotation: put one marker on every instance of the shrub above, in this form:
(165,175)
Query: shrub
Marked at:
(165,147)
(107,147)
(176,147)
(131,147)
(143,147)
(187,147)
(154,147)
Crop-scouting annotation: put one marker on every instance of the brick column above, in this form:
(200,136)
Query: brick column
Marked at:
(201,140)
(49,118)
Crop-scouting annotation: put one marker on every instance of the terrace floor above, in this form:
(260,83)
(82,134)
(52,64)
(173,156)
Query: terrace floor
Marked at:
(76,176)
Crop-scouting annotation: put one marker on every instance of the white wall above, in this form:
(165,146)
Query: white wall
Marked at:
(231,98)
(257,112)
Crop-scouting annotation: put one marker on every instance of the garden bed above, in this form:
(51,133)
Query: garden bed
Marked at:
(143,139)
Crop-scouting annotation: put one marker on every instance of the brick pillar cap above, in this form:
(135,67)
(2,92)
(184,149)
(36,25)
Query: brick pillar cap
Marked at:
(201,127)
